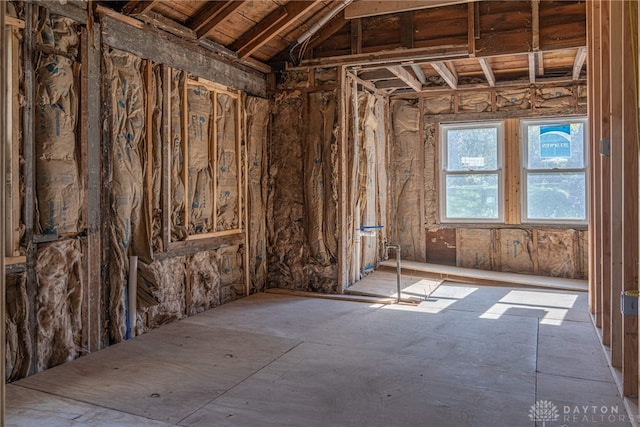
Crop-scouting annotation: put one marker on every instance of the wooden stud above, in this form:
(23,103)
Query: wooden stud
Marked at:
(245,199)
(240,156)
(534,251)
(605,175)
(185,153)
(83,141)
(3,137)
(167,145)
(512,168)
(535,25)
(630,233)
(13,141)
(213,150)
(616,184)
(532,68)
(148,164)
(471,28)
(356,36)
(540,63)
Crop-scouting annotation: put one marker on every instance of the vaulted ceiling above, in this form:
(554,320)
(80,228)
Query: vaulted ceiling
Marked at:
(394,46)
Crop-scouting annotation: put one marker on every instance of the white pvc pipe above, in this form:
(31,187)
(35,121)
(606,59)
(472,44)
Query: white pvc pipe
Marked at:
(311,31)
(133,292)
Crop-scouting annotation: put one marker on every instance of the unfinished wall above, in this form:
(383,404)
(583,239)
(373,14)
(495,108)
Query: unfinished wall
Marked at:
(257,111)
(17,326)
(509,247)
(303,195)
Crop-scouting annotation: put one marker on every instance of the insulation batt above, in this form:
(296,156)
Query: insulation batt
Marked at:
(59,302)
(178,226)
(57,176)
(19,350)
(257,110)
(127,230)
(227,164)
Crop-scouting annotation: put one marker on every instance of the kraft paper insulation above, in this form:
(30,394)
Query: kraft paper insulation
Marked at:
(431,173)
(178,225)
(59,275)
(406,165)
(476,102)
(127,231)
(155,98)
(227,174)
(58,185)
(515,250)
(18,341)
(516,99)
(291,263)
(203,277)
(557,253)
(442,104)
(474,248)
(558,97)
(200,185)
(257,110)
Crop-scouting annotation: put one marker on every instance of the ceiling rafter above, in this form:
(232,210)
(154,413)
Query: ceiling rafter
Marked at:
(578,63)
(446,74)
(138,7)
(270,27)
(488,72)
(406,77)
(417,70)
(211,15)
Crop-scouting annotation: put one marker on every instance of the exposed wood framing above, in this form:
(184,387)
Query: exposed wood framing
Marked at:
(406,30)
(94,219)
(535,25)
(244,200)
(329,29)
(148,146)
(12,155)
(146,42)
(406,77)
(210,15)
(250,41)
(83,140)
(167,144)
(135,7)
(28,151)
(3,137)
(488,72)
(512,166)
(616,183)
(471,28)
(446,74)
(581,56)
(343,195)
(369,8)
(356,36)
(630,203)
(532,68)
(417,70)
(540,62)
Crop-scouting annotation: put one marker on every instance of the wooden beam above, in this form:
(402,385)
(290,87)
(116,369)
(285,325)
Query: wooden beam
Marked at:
(246,44)
(417,70)
(630,234)
(540,63)
(471,28)
(356,36)
(211,15)
(532,67)
(446,74)
(535,25)
(3,136)
(138,7)
(333,26)
(488,72)
(579,62)
(361,9)
(406,77)
(406,30)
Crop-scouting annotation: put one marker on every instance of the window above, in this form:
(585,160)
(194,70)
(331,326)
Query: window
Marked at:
(554,174)
(471,180)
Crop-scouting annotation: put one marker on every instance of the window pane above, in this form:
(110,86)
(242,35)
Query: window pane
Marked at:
(472,196)
(556,196)
(558,145)
(472,149)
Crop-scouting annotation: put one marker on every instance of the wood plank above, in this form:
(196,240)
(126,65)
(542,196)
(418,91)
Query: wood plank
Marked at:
(471,28)
(184,115)
(210,15)
(630,203)
(488,72)
(83,167)
(540,63)
(249,41)
(360,9)
(446,74)
(343,195)
(15,22)
(328,30)
(175,52)
(616,184)
(148,147)
(419,72)
(406,77)
(535,25)
(356,36)
(605,176)
(3,138)
(136,7)
(167,145)
(512,168)
(532,68)
(406,29)
(581,56)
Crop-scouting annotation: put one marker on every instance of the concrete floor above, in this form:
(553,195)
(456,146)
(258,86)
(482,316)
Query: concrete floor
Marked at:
(469,356)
